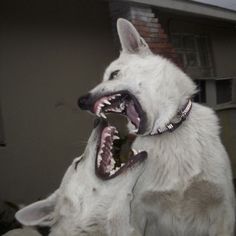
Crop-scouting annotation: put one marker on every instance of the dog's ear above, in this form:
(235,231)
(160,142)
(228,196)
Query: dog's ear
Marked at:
(40,213)
(130,39)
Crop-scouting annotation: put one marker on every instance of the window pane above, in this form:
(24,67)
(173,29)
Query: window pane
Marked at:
(191,59)
(224,91)
(203,51)
(189,42)
(181,58)
(177,41)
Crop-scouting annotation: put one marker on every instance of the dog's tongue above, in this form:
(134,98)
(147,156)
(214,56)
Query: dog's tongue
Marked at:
(132,114)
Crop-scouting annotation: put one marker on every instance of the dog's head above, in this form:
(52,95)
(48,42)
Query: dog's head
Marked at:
(146,88)
(90,186)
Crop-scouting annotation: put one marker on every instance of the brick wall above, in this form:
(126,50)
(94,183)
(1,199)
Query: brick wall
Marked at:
(147,25)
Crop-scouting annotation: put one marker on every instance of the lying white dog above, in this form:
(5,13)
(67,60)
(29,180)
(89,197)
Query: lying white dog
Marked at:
(86,204)
(186,187)
(27,231)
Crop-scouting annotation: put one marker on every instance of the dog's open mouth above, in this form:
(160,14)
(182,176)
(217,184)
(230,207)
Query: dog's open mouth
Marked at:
(124,103)
(114,154)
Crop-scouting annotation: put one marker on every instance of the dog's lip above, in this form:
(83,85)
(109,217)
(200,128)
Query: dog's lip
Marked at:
(139,158)
(138,107)
(135,159)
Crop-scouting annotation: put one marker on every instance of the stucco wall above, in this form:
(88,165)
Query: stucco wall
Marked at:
(228,133)
(51,52)
(224,51)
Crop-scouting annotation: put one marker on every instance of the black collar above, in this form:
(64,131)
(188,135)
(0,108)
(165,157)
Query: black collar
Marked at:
(178,119)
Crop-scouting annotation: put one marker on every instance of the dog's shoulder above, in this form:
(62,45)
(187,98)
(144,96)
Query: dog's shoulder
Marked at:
(204,119)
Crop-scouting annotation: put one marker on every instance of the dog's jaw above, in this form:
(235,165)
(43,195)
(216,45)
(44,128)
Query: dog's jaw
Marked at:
(110,160)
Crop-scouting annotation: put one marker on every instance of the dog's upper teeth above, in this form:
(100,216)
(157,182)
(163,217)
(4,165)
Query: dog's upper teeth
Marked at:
(115,137)
(98,111)
(103,115)
(122,106)
(107,102)
(114,96)
(107,135)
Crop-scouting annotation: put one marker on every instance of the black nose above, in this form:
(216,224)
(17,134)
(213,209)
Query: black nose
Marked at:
(83,101)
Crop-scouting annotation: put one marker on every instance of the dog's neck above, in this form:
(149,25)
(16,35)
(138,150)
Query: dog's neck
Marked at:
(176,121)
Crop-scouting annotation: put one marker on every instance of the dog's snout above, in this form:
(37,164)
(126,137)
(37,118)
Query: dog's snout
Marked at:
(83,101)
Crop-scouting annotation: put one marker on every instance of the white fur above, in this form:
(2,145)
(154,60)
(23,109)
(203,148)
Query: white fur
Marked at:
(22,232)
(186,188)
(85,204)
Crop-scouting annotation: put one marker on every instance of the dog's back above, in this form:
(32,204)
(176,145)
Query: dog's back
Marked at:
(187,186)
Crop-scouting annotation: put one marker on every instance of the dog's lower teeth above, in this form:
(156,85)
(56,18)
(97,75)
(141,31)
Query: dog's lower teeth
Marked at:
(112,172)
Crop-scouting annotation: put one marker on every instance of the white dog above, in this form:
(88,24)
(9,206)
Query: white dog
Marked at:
(186,186)
(26,231)
(86,204)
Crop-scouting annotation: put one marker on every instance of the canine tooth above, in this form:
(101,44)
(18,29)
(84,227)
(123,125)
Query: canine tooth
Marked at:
(107,135)
(122,105)
(134,151)
(115,137)
(103,115)
(107,102)
(135,130)
(98,111)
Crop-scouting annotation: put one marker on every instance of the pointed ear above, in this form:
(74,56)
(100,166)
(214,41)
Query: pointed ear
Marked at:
(39,213)
(130,39)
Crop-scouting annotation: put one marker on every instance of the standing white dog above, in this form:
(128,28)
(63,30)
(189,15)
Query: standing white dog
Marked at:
(86,204)
(186,187)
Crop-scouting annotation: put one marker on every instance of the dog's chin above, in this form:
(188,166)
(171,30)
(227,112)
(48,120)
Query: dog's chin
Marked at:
(124,103)
(115,154)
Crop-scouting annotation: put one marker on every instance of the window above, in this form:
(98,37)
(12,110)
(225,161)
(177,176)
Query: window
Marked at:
(223,91)
(193,51)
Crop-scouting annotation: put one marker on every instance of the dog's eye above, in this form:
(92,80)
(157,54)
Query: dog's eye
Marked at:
(114,74)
